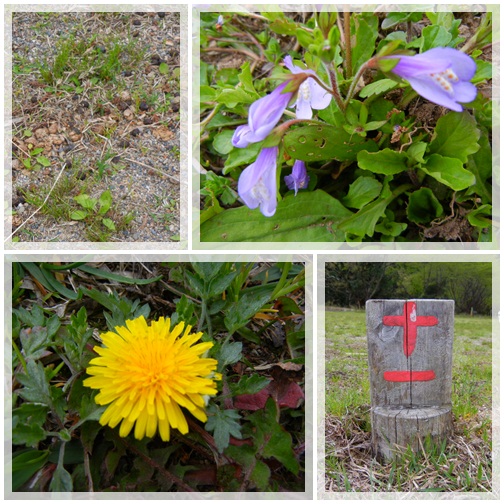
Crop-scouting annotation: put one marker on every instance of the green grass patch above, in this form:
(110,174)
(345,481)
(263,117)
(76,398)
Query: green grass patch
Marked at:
(463,464)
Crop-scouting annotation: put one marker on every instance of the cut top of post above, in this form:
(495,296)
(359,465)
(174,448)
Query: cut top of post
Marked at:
(410,351)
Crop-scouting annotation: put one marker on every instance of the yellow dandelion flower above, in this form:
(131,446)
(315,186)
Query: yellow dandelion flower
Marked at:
(146,373)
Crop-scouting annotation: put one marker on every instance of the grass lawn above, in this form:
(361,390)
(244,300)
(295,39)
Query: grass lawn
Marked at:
(464,465)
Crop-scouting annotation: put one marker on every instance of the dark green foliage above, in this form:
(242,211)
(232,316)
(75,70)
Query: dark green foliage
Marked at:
(469,284)
(423,176)
(245,309)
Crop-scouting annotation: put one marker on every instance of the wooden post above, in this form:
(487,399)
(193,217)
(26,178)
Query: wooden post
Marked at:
(410,366)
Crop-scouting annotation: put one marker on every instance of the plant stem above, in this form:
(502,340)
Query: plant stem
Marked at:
(335,87)
(348,44)
(355,81)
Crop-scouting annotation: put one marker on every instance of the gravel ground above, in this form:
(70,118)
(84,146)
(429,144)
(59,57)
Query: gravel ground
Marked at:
(119,132)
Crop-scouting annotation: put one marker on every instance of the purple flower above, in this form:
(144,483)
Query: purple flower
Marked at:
(264,115)
(441,75)
(257,185)
(298,179)
(310,95)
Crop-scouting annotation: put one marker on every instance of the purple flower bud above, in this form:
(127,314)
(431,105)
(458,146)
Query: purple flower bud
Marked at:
(257,185)
(264,115)
(441,75)
(298,179)
(310,94)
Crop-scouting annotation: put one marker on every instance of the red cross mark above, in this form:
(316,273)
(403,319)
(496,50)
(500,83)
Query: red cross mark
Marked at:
(409,321)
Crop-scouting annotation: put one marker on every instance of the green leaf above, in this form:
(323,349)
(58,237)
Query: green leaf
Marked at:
(218,285)
(364,221)
(247,80)
(386,161)
(394,18)
(297,219)
(27,424)
(207,94)
(239,157)
(118,278)
(223,424)
(229,353)
(79,215)
(61,480)
(89,410)
(222,142)
(323,142)
(484,71)
(25,464)
(34,342)
(55,285)
(366,31)
(434,36)
(207,270)
(283,26)
(361,192)
(164,69)
(449,171)
(43,161)
(105,202)
(390,228)
(250,384)
(416,151)
(109,223)
(332,115)
(233,97)
(32,318)
(455,136)
(378,87)
(85,201)
(272,439)
(423,206)
(481,217)
(35,384)
(240,312)
(480,164)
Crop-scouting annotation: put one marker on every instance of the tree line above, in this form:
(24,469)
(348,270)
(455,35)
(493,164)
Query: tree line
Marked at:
(469,284)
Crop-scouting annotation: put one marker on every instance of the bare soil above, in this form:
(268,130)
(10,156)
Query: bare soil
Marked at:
(119,132)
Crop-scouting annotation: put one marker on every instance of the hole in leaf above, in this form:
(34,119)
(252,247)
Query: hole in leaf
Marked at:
(302,139)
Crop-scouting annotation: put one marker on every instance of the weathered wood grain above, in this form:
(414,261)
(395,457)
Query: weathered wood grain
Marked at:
(410,366)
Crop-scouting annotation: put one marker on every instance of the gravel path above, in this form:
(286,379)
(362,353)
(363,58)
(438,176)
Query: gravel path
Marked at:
(97,128)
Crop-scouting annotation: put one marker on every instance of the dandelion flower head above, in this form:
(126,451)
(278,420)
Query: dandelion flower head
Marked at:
(146,373)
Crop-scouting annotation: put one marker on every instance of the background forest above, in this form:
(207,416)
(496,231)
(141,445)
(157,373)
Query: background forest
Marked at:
(468,284)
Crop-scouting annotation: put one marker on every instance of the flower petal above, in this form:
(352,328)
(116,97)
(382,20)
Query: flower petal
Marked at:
(320,98)
(303,108)
(145,370)
(432,92)
(257,183)
(265,113)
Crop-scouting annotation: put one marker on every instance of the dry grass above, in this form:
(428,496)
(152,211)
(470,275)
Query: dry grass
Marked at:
(463,465)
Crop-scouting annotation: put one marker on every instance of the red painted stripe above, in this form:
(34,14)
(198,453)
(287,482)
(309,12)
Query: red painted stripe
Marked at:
(407,376)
